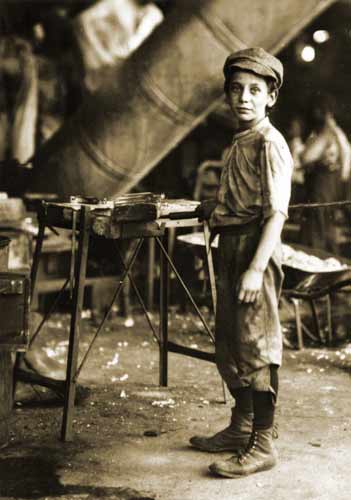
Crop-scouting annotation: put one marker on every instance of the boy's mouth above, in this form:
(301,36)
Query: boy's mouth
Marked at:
(243,110)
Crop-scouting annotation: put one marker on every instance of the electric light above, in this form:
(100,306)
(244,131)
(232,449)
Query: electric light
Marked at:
(308,53)
(321,36)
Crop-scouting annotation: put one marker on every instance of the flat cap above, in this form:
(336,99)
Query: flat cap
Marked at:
(258,61)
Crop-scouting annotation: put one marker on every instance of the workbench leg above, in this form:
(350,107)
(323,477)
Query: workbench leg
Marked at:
(76,312)
(212,278)
(163,332)
(316,320)
(329,321)
(150,273)
(37,252)
(299,333)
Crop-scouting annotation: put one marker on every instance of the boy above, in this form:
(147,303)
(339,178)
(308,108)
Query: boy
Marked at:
(251,208)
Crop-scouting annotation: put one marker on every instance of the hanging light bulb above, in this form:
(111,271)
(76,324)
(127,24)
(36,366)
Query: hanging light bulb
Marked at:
(308,53)
(321,36)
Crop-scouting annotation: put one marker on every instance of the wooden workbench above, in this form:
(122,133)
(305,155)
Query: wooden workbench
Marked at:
(85,223)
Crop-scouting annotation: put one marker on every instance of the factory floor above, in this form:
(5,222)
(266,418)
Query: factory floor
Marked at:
(131,436)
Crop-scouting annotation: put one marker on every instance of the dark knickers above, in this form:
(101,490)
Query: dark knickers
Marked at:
(248,336)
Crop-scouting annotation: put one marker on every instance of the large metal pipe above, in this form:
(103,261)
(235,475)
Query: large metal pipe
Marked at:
(161,93)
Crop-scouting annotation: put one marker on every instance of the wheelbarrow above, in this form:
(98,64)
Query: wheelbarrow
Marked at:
(318,275)
(310,274)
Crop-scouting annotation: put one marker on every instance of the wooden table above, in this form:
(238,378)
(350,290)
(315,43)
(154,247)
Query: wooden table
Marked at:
(86,222)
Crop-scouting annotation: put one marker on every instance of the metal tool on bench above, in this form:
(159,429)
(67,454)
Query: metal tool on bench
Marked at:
(110,217)
(131,207)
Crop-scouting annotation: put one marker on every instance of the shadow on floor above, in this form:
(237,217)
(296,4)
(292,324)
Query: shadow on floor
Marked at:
(34,477)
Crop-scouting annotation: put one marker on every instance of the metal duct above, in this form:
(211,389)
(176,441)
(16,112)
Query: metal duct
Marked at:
(163,91)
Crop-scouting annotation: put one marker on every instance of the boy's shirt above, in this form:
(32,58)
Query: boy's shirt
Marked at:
(256,178)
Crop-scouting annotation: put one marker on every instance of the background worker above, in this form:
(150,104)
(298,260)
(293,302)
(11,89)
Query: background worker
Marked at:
(326,162)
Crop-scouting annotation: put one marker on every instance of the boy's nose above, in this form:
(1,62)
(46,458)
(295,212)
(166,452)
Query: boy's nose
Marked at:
(244,96)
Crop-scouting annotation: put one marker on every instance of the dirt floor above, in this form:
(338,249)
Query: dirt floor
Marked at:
(131,436)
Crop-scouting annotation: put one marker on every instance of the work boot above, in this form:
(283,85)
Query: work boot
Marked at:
(235,437)
(259,455)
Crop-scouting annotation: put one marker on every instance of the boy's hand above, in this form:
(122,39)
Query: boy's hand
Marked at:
(205,209)
(249,286)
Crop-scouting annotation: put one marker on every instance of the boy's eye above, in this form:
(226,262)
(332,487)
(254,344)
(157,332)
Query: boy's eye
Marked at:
(255,90)
(235,88)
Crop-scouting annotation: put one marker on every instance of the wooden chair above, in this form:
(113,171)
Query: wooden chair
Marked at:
(207,179)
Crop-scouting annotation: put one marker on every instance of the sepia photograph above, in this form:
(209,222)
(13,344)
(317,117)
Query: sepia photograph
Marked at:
(175,249)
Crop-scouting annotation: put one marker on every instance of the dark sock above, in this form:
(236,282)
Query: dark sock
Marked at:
(243,399)
(263,410)
(264,403)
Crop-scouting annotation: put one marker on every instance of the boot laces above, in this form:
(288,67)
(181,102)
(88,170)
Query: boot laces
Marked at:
(275,433)
(252,444)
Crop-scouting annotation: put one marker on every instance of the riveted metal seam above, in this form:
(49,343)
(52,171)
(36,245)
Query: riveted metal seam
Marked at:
(168,107)
(221,33)
(101,161)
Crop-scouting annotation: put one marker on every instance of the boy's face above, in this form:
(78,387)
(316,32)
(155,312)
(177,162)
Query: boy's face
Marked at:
(248,97)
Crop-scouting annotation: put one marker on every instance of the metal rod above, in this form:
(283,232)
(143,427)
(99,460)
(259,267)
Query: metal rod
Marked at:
(316,320)
(37,251)
(193,353)
(73,251)
(343,203)
(211,273)
(329,320)
(296,304)
(150,273)
(163,325)
(169,260)
(76,314)
(49,313)
(318,293)
(53,230)
(139,297)
(115,296)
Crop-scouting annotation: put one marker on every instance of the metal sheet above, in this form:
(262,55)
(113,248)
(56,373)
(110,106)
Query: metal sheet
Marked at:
(161,93)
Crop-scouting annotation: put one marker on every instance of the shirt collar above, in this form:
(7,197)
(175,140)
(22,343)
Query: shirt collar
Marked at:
(262,123)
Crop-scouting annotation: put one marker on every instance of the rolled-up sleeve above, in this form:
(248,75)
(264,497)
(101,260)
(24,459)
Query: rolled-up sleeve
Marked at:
(277,167)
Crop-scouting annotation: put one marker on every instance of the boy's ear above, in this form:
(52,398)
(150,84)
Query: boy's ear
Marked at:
(272,98)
